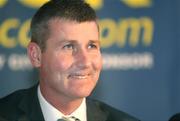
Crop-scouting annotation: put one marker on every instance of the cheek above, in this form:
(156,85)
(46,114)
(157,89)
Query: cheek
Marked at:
(62,63)
(97,62)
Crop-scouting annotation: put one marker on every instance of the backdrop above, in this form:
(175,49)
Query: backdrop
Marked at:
(140,46)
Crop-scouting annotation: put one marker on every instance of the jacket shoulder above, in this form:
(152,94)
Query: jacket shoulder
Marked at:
(113,113)
(175,117)
(11,100)
(9,104)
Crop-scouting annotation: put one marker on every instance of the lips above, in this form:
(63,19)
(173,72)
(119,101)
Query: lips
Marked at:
(79,75)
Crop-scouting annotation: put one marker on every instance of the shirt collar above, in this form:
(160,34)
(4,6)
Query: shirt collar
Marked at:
(50,113)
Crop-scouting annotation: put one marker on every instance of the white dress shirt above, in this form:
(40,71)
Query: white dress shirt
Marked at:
(50,113)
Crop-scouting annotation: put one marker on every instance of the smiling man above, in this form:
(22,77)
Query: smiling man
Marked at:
(65,47)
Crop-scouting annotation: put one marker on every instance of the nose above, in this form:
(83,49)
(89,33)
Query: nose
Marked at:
(82,58)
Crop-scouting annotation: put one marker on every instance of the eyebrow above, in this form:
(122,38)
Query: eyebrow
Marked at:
(95,41)
(65,40)
(75,41)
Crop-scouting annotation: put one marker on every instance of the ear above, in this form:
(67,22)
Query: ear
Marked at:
(34,53)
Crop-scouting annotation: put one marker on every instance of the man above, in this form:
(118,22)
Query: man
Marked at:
(65,47)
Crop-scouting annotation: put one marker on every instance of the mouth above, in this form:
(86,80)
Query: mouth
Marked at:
(79,76)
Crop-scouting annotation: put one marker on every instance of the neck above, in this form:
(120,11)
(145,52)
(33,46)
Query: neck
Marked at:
(67,107)
(62,103)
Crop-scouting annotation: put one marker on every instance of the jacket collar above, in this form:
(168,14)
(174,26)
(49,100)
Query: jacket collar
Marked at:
(32,110)
(94,111)
(30,106)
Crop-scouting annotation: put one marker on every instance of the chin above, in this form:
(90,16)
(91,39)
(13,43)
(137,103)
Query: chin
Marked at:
(83,94)
(83,90)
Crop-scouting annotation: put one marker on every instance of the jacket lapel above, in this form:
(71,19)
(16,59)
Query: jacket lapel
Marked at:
(30,106)
(31,109)
(94,111)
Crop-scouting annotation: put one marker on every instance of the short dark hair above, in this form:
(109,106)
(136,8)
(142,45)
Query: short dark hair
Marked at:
(73,10)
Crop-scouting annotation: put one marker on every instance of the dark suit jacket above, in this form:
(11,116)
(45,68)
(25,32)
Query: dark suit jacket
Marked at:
(175,117)
(23,105)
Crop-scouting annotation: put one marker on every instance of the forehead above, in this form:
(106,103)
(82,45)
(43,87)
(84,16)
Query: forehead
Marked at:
(73,29)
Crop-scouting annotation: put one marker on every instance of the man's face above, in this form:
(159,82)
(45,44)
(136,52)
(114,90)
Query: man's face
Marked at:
(71,64)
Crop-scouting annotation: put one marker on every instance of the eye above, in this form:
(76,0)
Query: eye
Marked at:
(68,46)
(93,46)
